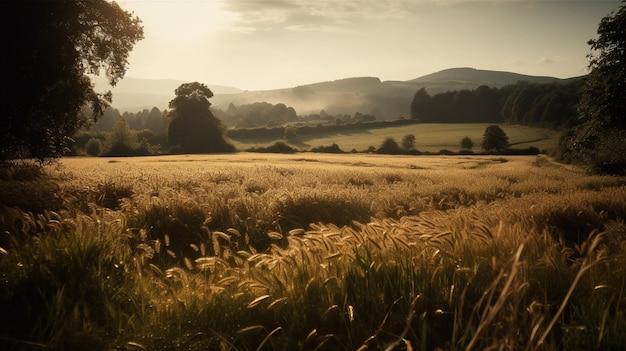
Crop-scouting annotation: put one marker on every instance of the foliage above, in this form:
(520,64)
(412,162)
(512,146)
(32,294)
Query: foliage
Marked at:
(121,141)
(278,147)
(389,146)
(261,114)
(408,142)
(193,128)
(599,140)
(494,139)
(291,134)
(467,143)
(543,105)
(59,42)
(531,104)
(93,147)
(331,149)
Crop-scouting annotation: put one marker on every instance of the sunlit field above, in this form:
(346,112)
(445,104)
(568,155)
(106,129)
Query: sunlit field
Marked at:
(429,137)
(312,252)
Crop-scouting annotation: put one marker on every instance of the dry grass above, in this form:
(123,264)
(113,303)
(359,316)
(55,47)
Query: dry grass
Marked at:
(328,252)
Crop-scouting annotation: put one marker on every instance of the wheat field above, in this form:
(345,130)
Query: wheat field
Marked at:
(312,252)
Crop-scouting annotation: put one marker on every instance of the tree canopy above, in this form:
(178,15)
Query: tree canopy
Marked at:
(50,47)
(495,139)
(599,140)
(193,127)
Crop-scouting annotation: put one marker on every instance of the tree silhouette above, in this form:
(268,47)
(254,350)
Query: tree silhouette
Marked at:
(390,147)
(408,142)
(193,127)
(495,138)
(467,143)
(50,46)
(599,141)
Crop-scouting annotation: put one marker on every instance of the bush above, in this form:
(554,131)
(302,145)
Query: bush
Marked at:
(467,143)
(389,147)
(278,147)
(495,139)
(93,147)
(332,149)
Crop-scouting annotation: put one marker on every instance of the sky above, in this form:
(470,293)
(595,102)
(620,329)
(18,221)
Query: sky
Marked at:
(272,44)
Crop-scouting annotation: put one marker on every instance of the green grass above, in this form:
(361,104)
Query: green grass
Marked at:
(311,251)
(430,137)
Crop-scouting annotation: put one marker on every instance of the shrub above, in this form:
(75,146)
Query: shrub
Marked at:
(494,139)
(278,147)
(332,149)
(389,147)
(93,147)
(467,143)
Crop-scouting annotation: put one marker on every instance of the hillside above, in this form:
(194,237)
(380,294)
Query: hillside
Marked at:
(135,94)
(472,76)
(370,95)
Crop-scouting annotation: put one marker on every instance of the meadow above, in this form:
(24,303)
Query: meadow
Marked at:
(429,137)
(312,252)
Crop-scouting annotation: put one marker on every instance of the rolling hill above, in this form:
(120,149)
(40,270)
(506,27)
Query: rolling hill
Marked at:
(370,95)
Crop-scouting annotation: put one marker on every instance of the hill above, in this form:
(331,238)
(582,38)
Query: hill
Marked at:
(135,94)
(472,76)
(370,95)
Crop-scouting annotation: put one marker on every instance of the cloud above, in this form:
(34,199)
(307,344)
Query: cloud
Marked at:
(309,15)
(546,61)
(318,28)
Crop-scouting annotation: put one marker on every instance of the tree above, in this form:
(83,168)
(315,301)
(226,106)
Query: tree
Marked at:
(121,141)
(408,142)
(467,143)
(495,138)
(599,141)
(93,147)
(420,105)
(389,146)
(51,46)
(193,128)
(156,122)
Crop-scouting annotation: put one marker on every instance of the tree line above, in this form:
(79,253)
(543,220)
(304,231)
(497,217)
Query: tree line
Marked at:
(532,104)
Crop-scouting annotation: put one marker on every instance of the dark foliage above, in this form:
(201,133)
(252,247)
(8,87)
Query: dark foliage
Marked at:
(51,46)
(194,128)
(533,104)
(332,149)
(494,139)
(599,140)
(389,147)
(278,147)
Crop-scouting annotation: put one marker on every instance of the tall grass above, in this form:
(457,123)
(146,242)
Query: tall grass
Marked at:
(330,254)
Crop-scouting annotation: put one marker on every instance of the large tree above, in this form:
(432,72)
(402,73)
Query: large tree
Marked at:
(193,127)
(599,141)
(495,139)
(49,49)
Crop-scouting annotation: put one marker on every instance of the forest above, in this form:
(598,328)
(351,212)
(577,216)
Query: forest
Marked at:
(547,105)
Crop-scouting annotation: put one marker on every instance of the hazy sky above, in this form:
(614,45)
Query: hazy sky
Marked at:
(268,44)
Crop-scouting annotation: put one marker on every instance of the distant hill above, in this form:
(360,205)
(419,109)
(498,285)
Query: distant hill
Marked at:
(472,76)
(369,95)
(135,94)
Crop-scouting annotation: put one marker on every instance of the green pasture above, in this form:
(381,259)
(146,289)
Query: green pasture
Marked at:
(431,137)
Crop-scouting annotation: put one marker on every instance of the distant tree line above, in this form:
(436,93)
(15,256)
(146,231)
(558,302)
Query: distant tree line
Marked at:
(115,134)
(265,114)
(533,104)
(282,131)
